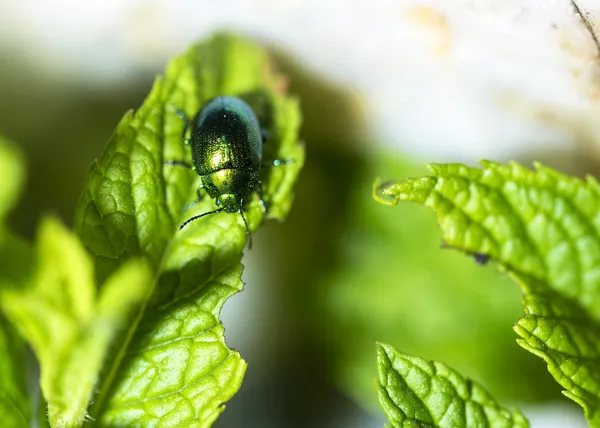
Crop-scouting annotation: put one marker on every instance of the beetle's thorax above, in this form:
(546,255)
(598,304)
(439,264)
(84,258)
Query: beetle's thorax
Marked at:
(236,182)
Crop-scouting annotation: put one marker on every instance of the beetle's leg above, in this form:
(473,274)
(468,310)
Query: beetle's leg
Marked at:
(261,200)
(248,234)
(186,123)
(179,163)
(277,162)
(198,194)
(199,198)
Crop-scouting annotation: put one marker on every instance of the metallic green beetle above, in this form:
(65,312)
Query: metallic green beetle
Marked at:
(226,141)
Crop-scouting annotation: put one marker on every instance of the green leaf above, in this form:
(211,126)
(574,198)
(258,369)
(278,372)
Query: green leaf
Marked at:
(69,327)
(542,228)
(15,253)
(414,392)
(173,368)
(559,331)
(426,299)
(14,403)
(13,174)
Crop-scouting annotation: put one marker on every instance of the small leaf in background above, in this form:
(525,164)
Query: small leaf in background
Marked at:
(69,328)
(543,228)
(13,174)
(172,367)
(15,253)
(416,392)
(15,408)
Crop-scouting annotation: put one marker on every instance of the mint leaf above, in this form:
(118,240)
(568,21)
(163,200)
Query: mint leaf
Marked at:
(69,328)
(416,392)
(455,303)
(13,174)
(559,331)
(172,367)
(541,227)
(15,253)
(14,404)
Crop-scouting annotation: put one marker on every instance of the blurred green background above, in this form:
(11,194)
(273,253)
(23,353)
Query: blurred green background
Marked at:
(340,274)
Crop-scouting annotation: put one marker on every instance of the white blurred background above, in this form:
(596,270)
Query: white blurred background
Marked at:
(490,72)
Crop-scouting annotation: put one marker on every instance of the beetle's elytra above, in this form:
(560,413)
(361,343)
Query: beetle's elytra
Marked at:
(227,145)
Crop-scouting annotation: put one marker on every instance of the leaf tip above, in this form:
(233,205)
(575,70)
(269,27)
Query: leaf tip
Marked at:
(384,192)
(488,164)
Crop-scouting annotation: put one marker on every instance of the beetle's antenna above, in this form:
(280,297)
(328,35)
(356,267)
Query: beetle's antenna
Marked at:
(247,229)
(196,217)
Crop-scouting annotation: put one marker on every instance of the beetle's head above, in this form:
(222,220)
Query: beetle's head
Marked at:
(229,202)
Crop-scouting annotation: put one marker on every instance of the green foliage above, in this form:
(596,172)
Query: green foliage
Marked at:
(15,253)
(392,282)
(68,326)
(14,404)
(418,393)
(13,172)
(124,317)
(543,229)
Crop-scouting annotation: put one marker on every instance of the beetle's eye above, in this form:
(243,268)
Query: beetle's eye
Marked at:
(218,201)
